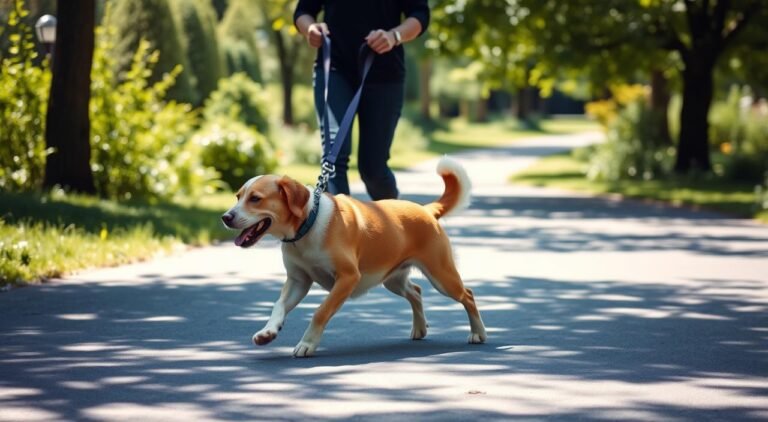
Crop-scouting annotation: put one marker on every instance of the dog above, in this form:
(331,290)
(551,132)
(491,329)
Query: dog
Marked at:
(349,246)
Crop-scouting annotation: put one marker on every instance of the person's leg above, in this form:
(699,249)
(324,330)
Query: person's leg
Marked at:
(380,109)
(339,96)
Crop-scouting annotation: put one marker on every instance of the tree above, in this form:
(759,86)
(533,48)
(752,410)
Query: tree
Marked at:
(278,14)
(237,34)
(197,22)
(67,123)
(614,39)
(153,21)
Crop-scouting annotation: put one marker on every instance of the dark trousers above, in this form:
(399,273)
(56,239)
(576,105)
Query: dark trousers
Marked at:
(377,116)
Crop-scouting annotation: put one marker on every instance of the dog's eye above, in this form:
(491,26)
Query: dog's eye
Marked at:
(254,199)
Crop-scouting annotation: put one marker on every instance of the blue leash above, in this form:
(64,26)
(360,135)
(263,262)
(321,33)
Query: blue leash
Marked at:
(331,147)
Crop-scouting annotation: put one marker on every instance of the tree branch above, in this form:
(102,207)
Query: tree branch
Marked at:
(737,26)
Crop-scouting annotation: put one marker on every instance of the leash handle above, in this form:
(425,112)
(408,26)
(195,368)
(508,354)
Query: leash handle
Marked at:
(331,145)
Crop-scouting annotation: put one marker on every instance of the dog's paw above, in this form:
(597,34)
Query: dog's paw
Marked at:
(418,333)
(477,338)
(304,350)
(264,336)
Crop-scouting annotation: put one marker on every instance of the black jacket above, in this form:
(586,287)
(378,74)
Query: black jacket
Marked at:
(350,21)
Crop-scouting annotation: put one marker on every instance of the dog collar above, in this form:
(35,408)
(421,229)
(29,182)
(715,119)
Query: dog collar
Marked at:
(310,221)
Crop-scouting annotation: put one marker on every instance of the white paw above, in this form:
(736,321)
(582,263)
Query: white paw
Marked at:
(304,349)
(418,333)
(264,336)
(477,338)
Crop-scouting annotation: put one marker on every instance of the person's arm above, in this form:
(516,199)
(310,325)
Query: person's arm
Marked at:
(311,30)
(382,41)
(416,22)
(304,19)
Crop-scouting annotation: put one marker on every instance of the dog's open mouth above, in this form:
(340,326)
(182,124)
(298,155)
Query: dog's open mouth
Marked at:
(251,235)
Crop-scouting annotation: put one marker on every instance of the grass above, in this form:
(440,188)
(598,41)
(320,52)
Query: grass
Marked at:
(51,235)
(565,171)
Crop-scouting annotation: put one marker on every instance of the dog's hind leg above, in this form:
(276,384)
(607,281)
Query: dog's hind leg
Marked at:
(442,274)
(400,285)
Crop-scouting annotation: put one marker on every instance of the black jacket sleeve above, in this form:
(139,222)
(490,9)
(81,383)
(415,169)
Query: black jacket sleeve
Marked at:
(307,7)
(418,9)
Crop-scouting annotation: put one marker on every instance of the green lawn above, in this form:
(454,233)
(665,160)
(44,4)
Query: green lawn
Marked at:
(565,171)
(49,235)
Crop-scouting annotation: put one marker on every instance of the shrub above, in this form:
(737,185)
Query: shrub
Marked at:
(631,149)
(739,129)
(150,20)
(238,97)
(140,144)
(298,146)
(197,22)
(234,150)
(23,104)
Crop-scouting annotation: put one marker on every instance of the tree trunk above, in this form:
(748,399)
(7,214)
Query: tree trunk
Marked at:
(67,129)
(286,77)
(425,93)
(660,107)
(482,109)
(523,111)
(693,147)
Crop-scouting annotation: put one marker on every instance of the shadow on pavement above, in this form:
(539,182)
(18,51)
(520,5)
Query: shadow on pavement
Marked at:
(90,351)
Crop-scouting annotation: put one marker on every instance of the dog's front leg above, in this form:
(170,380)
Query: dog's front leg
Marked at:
(295,289)
(346,281)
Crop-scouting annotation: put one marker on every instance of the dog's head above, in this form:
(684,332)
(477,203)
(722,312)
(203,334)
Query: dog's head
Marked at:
(267,204)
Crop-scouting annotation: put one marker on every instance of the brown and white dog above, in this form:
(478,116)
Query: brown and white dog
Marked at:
(352,247)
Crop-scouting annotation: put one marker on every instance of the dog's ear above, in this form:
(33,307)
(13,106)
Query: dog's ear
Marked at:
(294,194)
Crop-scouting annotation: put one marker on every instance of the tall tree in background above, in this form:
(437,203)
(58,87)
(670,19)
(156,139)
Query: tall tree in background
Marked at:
(196,21)
(279,15)
(614,39)
(153,21)
(67,123)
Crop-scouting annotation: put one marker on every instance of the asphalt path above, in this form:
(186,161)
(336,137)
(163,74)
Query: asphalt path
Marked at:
(597,309)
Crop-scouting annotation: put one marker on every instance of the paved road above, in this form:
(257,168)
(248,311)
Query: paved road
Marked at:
(597,310)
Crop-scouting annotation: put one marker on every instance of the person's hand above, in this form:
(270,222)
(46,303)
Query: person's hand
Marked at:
(381,41)
(315,34)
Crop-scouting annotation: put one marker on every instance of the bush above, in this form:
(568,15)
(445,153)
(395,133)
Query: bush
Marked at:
(761,194)
(239,98)
(23,105)
(150,20)
(234,150)
(739,129)
(197,21)
(140,144)
(298,145)
(631,149)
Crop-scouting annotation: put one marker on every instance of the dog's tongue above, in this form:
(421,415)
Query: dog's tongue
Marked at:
(240,239)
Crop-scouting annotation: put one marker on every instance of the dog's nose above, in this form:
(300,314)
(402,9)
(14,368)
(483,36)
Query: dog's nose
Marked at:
(227,218)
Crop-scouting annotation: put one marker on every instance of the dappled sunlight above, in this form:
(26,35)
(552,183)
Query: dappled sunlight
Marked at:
(570,309)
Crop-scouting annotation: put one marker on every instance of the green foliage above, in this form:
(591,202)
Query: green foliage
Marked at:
(140,144)
(151,20)
(238,97)
(298,145)
(197,21)
(631,150)
(739,129)
(761,194)
(51,234)
(237,32)
(234,150)
(23,104)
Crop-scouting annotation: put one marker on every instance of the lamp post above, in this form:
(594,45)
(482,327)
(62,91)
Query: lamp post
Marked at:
(45,28)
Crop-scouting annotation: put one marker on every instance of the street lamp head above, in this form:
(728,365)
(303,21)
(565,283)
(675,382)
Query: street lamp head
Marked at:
(46,30)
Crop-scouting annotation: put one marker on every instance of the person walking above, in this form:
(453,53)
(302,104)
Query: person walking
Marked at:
(384,25)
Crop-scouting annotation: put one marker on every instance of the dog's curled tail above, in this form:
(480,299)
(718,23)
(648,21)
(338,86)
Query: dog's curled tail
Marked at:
(456,196)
